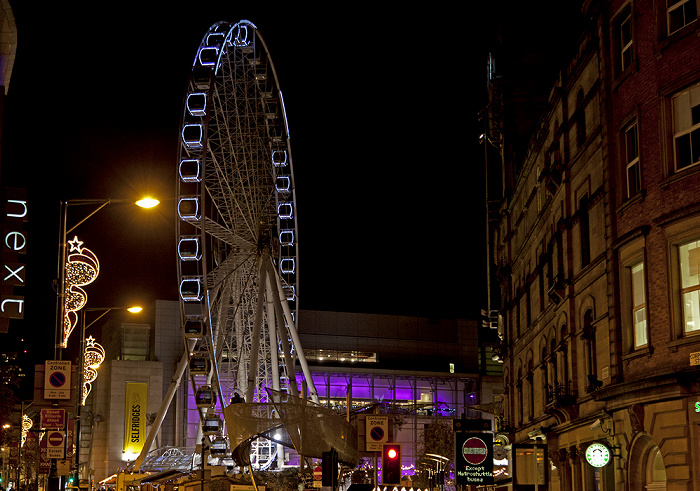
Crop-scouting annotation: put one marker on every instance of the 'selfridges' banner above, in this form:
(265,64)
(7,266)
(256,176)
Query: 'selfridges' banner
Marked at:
(135,417)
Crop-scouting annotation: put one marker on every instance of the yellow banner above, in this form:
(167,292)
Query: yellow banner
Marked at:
(135,417)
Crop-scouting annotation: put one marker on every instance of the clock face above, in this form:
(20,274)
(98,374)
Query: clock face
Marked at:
(597,454)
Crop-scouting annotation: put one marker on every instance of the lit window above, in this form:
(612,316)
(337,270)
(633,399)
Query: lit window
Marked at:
(686,127)
(680,13)
(631,159)
(639,315)
(689,257)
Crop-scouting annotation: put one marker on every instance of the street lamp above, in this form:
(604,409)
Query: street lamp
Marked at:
(61,340)
(89,359)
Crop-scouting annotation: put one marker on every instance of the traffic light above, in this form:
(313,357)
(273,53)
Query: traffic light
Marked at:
(391,463)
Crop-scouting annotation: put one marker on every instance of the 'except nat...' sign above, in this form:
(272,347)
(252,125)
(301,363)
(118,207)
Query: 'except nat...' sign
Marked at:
(474,458)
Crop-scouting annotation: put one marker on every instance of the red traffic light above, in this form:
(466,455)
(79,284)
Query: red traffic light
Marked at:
(391,463)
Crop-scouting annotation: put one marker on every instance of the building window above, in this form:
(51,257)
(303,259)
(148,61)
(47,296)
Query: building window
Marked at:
(639,311)
(624,42)
(680,13)
(516,315)
(580,119)
(686,127)
(630,157)
(633,311)
(590,345)
(564,349)
(545,373)
(585,231)
(519,396)
(553,357)
(531,392)
(689,257)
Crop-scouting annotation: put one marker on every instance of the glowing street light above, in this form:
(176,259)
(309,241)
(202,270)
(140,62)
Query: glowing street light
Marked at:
(147,202)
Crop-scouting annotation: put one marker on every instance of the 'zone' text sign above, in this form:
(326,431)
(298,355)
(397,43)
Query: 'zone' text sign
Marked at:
(57,379)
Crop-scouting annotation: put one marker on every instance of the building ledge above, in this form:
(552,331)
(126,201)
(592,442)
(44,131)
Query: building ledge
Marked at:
(649,383)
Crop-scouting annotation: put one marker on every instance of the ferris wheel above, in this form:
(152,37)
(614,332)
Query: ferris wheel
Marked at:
(238,264)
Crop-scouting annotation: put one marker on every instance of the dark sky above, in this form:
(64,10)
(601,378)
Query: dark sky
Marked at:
(382,107)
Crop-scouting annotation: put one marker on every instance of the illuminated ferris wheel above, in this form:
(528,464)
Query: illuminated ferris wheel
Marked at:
(237,229)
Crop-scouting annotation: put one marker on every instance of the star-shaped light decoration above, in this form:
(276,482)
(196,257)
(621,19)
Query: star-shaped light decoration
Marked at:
(82,268)
(75,245)
(93,357)
(26,426)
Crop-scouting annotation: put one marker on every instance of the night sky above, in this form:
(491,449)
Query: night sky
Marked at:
(382,107)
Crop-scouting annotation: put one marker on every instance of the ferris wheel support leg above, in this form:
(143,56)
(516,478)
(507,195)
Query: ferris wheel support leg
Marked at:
(274,352)
(255,337)
(293,331)
(283,338)
(214,373)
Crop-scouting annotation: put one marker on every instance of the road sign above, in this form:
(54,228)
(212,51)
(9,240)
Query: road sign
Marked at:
(53,419)
(55,444)
(377,428)
(57,379)
(318,473)
(474,451)
(474,458)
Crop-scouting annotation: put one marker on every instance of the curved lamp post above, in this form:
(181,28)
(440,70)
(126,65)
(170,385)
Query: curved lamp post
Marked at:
(91,357)
(61,337)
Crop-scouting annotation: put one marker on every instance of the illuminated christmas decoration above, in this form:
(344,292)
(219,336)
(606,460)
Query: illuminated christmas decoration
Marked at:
(92,359)
(82,268)
(26,426)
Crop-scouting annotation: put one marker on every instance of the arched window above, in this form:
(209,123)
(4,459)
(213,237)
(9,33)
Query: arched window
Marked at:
(580,117)
(656,471)
(564,349)
(545,371)
(507,401)
(531,391)
(555,373)
(589,339)
(519,396)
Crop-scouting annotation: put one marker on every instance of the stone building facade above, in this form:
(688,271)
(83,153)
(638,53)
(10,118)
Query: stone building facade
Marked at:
(597,253)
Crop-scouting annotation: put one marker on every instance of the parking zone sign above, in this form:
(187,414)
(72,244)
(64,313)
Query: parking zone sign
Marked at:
(377,429)
(57,379)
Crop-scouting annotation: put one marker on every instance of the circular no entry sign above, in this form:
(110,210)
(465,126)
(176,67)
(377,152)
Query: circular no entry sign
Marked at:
(57,379)
(55,439)
(376,433)
(318,473)
(474,451)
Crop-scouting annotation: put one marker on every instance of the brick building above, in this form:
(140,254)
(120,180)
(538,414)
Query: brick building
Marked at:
(597,253)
